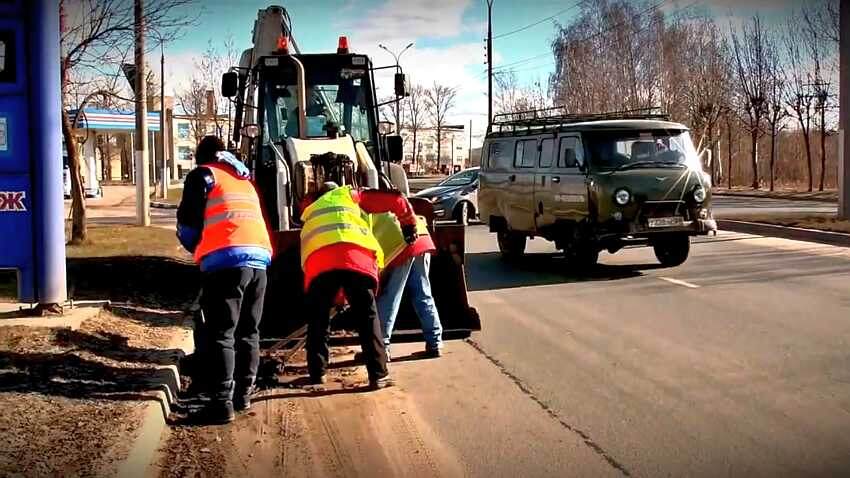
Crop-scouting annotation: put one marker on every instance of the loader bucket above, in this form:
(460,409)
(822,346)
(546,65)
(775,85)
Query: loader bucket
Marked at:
(285,307)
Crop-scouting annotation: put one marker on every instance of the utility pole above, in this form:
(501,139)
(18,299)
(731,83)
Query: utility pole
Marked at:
(489,62)
(844,113)
(143,211)
(397,57)
(165,176)
(469,153)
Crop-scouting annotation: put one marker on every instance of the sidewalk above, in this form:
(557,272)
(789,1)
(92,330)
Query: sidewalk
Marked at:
(830,195)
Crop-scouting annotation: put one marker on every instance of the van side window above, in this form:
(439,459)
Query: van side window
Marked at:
(499,155)
(525,155)
(547,147)
(569,155)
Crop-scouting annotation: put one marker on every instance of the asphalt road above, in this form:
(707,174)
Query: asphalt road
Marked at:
(735,363)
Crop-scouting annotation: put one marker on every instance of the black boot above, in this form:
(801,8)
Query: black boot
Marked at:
(215,412)
(242,399)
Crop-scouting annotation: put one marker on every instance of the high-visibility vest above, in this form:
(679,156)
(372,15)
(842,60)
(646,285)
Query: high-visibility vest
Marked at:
(232,216)
(336,218)
(387,231)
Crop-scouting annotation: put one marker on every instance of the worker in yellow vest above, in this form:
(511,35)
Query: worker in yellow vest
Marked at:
(340,253)
(220,220)
(407,267)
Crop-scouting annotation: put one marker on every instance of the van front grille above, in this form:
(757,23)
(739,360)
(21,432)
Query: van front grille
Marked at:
(664,209)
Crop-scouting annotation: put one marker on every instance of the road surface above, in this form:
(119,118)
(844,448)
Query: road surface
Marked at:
(735,364)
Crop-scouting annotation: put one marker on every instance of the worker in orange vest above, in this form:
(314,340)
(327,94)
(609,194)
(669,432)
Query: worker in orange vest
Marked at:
(221,222)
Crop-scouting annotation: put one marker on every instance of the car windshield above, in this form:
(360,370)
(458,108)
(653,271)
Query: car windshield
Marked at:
(655,148)
(336,97)
(462,178)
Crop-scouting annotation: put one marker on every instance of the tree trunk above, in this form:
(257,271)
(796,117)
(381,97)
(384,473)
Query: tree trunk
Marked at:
(754,157)
(807,142)
(414,157)
(772,156)
(711,166)
(439,144)
(822,147)
(729,157)
(79,232)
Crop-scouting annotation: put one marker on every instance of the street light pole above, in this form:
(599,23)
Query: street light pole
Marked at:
(489,62)
(143,212)
(844,112)
(397,69)
(162,149)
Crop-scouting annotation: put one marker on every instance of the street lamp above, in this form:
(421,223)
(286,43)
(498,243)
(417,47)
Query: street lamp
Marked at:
(398,70)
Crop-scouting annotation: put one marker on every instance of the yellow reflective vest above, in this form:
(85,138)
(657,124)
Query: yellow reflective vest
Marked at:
(335,218)
(387,231)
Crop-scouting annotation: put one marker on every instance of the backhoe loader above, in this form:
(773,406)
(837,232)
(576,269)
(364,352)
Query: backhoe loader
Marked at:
(290,107)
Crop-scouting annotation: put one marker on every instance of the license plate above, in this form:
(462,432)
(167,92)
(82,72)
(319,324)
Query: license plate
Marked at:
(666,221)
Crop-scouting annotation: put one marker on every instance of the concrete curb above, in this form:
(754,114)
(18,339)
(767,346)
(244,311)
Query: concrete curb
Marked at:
(763,196)
(154,412)
(795,233)
(163,205)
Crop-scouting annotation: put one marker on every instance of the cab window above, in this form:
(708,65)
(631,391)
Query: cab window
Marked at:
(547,147)
(569,154)
(525,155)
(499,155)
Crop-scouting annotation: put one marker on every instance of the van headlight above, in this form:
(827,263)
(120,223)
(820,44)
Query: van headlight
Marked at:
(699,194)
(622,197)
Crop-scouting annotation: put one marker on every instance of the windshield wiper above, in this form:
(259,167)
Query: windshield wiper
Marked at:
(635,164)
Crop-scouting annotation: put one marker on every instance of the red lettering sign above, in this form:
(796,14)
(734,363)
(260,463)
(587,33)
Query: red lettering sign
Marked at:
(12,200)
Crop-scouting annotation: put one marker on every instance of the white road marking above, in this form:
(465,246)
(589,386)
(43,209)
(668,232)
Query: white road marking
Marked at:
(679,282)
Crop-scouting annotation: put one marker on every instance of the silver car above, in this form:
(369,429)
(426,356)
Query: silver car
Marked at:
(456,197)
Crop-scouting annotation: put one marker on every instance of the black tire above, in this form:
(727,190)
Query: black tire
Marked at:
(462,213)
(583,257)
(511,244)
(672,251)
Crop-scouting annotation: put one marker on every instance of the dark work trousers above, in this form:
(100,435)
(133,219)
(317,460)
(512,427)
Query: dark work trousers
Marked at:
(232,302)
(358,288)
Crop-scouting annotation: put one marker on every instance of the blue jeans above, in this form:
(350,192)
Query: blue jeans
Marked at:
(411,275)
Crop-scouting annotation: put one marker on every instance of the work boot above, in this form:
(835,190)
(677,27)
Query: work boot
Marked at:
(433,352)
(242,399)
(213,413)
(376,383)
(318,379)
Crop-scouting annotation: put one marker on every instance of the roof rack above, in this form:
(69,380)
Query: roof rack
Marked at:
(557,116)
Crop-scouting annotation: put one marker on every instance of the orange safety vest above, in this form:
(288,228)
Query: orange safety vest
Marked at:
(232,216)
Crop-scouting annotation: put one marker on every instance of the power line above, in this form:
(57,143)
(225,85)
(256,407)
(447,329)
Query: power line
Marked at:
(538,22)
(591,36)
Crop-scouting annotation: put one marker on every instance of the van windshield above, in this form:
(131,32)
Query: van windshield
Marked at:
(461,179)
(655,148)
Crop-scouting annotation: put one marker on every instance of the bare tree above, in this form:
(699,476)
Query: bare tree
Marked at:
(416,112)
(510,97)
(193,101)
(439,101)
(777,111)
(750,54)
(798,98)
(819,46)
(97,34)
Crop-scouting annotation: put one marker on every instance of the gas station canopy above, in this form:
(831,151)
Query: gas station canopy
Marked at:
(112,120)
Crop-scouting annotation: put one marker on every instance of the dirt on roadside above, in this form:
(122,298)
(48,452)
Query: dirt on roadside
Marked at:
(338,429)
(70,399)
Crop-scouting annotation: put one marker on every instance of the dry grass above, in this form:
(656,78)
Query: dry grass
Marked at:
(821,222)
(124,240)
(173,197)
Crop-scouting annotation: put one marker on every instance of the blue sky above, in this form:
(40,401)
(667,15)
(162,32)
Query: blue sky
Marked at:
(448,35)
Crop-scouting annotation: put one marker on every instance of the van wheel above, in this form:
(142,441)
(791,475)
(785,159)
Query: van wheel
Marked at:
(582,258)
(462,213)
(511,244)
(672,251)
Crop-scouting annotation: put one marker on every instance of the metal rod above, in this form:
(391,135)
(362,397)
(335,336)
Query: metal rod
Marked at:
(489,62)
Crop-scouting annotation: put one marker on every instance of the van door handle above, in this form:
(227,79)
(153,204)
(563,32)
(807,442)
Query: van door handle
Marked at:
(512,177)
(556,179)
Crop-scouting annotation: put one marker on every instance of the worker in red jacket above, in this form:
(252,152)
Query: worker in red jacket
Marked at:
(339,252)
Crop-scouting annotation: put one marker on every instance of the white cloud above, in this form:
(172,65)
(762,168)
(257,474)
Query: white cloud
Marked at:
(400,21)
